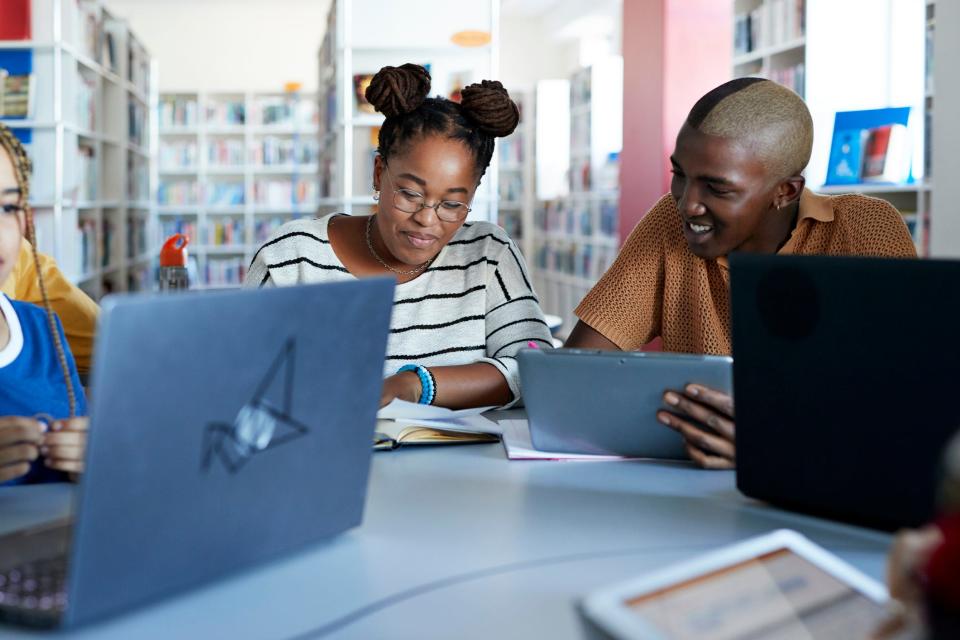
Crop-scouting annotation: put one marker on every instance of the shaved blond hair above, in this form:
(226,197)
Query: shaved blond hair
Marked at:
(766,116)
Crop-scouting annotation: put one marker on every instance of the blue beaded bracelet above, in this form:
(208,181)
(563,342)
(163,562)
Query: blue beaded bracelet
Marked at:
(426,382)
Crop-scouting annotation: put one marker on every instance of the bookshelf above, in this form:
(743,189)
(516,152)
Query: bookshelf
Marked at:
(88,132)
(810,46)
(577,235)
(517,193)
(232,168)
(361,37)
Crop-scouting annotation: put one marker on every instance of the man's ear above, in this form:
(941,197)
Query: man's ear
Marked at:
(789,191)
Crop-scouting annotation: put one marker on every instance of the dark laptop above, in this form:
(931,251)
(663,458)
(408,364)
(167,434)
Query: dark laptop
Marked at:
(847,383)
(226,429)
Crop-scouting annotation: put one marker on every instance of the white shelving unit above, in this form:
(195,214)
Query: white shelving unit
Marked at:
(517,180)
(576,236)
(233,167)
(361,37)
(809,46)
(89,137)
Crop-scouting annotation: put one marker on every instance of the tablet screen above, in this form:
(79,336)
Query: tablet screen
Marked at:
(775,595)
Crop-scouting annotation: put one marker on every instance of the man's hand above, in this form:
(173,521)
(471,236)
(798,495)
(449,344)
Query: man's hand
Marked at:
(704,417)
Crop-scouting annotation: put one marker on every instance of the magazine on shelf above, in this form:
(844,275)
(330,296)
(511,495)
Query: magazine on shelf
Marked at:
(16,83)
(872,145)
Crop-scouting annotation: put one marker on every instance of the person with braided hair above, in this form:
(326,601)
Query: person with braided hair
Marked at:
(42,431)
(463,305)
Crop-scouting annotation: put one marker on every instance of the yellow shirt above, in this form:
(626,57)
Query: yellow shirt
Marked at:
(78,313)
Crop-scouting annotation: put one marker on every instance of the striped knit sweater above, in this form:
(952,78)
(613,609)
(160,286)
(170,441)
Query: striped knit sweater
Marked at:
(475,302)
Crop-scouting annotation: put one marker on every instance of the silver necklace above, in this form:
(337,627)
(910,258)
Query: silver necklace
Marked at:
(381,260)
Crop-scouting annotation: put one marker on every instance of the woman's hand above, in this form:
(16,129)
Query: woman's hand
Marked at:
(402,386)
(692,410)
(19,446)
(64,446)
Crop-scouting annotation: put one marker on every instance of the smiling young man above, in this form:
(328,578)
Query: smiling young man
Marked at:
(737,186)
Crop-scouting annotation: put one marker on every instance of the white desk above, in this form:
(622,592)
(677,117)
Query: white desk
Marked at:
(460,543)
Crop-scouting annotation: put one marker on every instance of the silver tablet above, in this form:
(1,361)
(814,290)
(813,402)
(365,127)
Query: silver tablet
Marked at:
(606,402)
(779,585)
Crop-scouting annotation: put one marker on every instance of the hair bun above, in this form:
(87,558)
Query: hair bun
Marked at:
(398,90)
(489,105)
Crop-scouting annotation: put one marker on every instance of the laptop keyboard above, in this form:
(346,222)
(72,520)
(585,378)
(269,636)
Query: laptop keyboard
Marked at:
(32,588)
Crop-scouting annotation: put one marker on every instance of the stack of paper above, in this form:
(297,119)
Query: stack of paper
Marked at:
(519,446)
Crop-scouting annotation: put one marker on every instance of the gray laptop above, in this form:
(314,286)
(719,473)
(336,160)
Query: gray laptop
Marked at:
(605,402)
(227,428)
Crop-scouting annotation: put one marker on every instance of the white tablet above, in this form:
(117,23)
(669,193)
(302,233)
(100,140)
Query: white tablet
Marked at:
(779,585)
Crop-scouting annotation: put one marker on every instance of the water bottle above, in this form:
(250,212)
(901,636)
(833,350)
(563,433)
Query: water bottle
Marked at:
(173,263)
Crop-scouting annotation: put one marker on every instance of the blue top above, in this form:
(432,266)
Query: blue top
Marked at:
(31,380)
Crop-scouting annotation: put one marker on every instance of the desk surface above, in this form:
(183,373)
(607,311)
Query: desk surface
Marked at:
(459,542)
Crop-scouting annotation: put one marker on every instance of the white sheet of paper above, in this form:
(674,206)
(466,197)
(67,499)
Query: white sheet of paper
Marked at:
(402,410)
(476,424)
(519,446)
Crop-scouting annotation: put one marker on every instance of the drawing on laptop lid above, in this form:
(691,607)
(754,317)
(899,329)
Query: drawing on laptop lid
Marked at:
(260,425)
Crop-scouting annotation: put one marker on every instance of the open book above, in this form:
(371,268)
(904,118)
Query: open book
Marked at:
(391,435)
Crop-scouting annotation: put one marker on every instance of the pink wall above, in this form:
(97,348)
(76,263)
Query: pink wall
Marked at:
(674,51)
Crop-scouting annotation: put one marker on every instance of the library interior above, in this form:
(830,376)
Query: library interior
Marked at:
(495,319)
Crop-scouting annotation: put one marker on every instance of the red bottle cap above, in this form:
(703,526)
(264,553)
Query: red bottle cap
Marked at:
(174,251)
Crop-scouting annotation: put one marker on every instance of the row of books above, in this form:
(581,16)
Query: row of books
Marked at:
(137,123)
(263,228)
(226,113)
(87,101)
(178,154)
(290,110)
(773,23)
(586,219)
(138,179)
(178,193)
(138,68)
(88,174)
(273,151)
(511,187)
(88,245)
(136,236)
(511,150)
(224,232)
(171,226)
(266,192)
(793,77)
(225,194)
(282,193)
(225,152)
(511,222)
(579,132)
(17,83)
(230,152)
(228,271)
(579,259)
(177,111)
(96,249)
(580,88)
